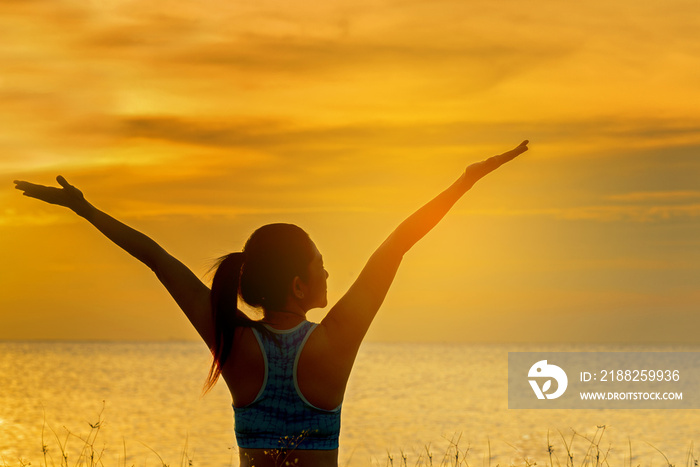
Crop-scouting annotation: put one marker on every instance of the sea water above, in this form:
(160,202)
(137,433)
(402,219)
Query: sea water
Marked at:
(138,403)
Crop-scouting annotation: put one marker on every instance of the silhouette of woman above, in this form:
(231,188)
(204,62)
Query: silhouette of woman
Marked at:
(287,376)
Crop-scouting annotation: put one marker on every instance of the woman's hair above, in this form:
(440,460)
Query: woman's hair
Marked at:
(262,274)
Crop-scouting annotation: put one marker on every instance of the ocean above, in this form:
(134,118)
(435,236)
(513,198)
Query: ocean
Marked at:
(140,403)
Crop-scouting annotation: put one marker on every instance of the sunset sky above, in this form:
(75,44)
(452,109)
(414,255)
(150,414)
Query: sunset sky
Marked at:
(197,122)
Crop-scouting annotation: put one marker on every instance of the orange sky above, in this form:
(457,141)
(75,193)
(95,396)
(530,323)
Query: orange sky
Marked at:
(196,124)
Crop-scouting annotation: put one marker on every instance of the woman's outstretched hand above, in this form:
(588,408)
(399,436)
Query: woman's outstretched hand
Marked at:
(68,195)
(479,169)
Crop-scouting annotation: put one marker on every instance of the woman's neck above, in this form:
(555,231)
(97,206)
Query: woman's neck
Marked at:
(284,319)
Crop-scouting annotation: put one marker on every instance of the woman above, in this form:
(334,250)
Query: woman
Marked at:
(287,376)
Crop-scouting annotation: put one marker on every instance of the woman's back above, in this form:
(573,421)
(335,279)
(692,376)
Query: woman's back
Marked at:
(275,419)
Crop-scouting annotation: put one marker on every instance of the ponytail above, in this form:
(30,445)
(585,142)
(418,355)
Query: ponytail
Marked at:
(225,313)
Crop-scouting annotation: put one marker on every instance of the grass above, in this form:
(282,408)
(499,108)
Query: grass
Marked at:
(567,450)
(74,450)
(576,450)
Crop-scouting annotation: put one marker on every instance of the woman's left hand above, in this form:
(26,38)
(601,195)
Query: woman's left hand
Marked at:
(68,195)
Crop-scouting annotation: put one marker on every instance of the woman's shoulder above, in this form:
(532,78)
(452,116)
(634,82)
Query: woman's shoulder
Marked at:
(323,370)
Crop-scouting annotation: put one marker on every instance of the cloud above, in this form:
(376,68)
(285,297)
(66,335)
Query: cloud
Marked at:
(327,103)
(602,213)
(239,131)
(11,218)
(306,45)
(229,133)
(656,196)
(630,213)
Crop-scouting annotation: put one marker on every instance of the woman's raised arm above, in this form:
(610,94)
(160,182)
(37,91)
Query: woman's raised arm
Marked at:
(186,288)
(347,322)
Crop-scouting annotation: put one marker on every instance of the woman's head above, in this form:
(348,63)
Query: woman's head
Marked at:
(274,257)
(279,266)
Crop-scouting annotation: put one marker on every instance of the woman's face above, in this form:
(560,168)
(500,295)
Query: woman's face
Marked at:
(316,282)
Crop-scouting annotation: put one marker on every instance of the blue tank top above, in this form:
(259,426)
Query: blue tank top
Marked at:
(280,417)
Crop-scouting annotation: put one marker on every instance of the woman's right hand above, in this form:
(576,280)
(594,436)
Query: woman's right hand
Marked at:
(478,170)
(68,195)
